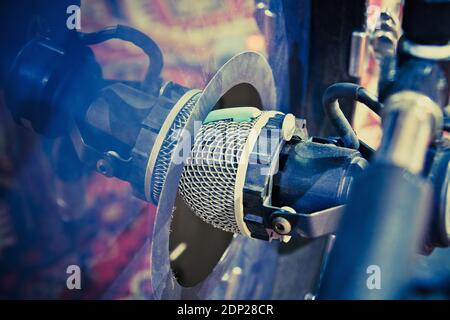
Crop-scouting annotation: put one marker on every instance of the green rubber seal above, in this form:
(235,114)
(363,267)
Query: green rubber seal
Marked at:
(237,114)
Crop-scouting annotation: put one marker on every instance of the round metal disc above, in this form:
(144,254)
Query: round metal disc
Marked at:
(242,253)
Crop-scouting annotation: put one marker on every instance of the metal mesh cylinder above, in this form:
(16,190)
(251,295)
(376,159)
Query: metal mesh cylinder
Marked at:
(209,177)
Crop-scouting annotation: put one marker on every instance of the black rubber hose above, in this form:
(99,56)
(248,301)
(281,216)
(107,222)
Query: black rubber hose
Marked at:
(337,117)
(136,37)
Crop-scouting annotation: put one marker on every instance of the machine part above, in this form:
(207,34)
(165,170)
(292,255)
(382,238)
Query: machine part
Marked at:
(422,76)
(288,127)
(263,164)
(310,179)
(385,37)
(101,141)
(168,137)
(49,93)
(384,41)
(314,225)
(383,223)
(444,212)
(281,225)
(428,52)
(439,229)
(358,54)
(337,117)
(411,120)
(125,128)
(217,169)
(392,191)
(19,21)
(315,176)
(206,170)
(238,114)
(217,154)
(250,71)
(139,39)
(111,126)
(234,181)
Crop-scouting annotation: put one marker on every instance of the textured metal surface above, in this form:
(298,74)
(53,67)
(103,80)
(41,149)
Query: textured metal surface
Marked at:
(167,147)
(245,254)
(149,136)
(209,178)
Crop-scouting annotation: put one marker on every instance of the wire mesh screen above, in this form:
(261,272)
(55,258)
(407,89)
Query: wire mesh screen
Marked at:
(170,142)
(209,176)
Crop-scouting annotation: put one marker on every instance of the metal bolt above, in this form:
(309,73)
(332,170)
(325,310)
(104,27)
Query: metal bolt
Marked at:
(104,167)
(281,225)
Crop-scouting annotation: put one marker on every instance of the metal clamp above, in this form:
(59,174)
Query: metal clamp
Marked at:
(312,225)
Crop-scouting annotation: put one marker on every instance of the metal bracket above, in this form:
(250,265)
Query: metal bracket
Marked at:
(312,225)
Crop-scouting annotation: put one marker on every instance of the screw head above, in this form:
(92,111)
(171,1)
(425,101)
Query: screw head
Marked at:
(104,167)
(281,226)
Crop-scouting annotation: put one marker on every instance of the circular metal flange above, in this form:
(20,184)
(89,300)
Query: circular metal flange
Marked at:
(428,52)
(165,142)
(249,68)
